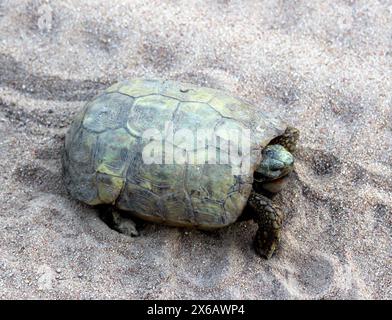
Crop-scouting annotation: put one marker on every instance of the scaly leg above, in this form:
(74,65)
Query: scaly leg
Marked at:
(288,139)
(269,217)
(116,221)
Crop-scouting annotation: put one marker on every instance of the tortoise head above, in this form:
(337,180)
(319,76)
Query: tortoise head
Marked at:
(277,162)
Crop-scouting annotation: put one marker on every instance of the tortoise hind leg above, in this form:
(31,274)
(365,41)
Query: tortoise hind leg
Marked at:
(269,218)
(288,139)
(116,221)
(124,225)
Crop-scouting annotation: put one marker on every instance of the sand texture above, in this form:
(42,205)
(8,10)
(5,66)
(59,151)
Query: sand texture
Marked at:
(324,66)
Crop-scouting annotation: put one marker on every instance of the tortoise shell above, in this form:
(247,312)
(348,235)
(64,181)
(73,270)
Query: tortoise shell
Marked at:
(107,143)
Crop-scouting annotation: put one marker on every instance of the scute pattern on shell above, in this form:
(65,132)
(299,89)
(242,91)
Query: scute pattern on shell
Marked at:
(103,153)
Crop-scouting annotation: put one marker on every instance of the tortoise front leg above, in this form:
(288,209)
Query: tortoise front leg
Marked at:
(269,217)
(288,139)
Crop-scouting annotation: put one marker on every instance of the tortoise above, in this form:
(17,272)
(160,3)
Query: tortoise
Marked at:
(109,158)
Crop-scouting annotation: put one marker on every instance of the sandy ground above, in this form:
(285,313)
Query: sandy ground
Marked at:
(324,66)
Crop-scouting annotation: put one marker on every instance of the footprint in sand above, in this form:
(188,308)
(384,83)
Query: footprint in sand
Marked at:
(310,276)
